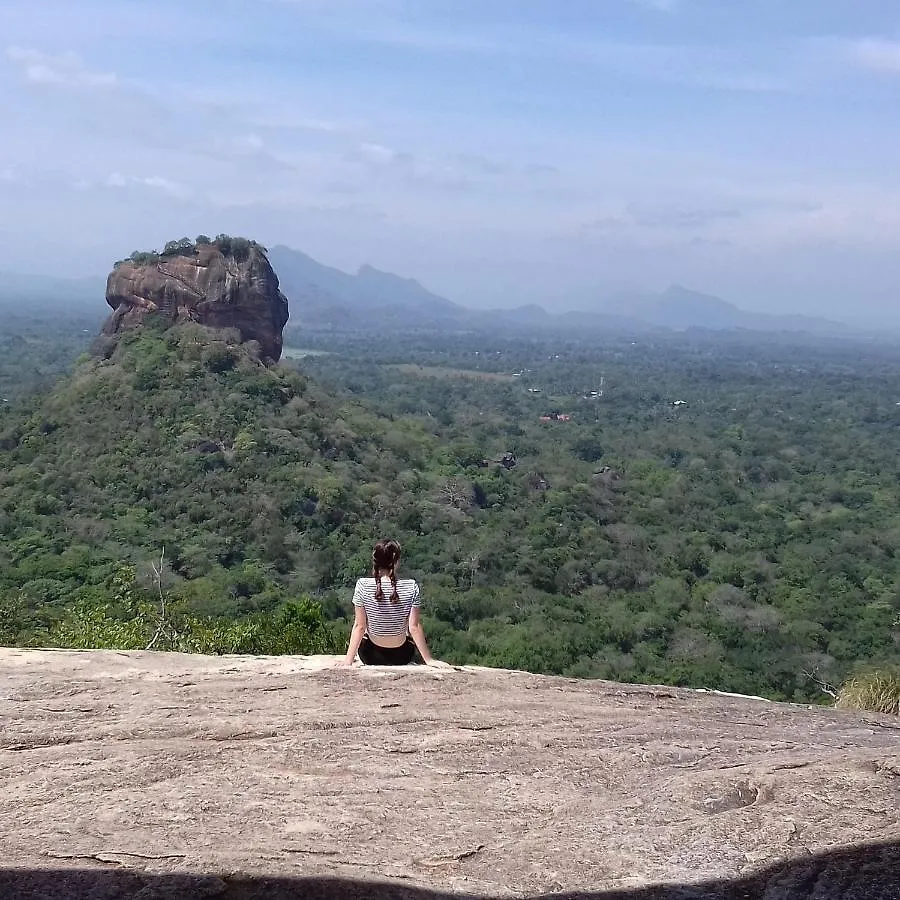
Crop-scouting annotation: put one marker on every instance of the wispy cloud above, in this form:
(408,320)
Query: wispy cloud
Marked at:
(154,182)
(705,66)
(379,155)
(403,35)
(437,171)
(880,54)
(452,141)
(65,70)
(481,165)
(247,149)
(447,169)
(677,217)
(660,5)
(747,216)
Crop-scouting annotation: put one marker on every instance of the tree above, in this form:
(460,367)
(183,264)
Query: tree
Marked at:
(182,247)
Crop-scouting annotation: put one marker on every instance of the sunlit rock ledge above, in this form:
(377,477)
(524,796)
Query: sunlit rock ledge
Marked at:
(163,775)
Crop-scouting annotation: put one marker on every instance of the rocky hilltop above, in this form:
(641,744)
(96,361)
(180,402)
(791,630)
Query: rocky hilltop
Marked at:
(161,776)
(227,283)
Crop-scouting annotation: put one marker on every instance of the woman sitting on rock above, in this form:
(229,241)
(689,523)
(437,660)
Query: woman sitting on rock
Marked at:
(388,628)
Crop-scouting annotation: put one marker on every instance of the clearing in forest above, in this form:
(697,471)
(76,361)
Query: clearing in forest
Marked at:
(446,372)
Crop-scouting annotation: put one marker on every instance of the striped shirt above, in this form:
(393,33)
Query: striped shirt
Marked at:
(384,617)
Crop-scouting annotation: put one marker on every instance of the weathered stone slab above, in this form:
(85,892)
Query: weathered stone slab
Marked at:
(119,770)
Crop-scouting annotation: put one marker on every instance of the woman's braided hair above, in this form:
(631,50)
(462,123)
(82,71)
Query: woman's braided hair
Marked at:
(385,557)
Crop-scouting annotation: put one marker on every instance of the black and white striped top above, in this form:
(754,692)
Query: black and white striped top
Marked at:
(384,617)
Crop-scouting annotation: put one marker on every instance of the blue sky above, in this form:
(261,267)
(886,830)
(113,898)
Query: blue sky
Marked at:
(500,151)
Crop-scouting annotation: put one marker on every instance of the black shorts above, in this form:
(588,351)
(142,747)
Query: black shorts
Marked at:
(373,655)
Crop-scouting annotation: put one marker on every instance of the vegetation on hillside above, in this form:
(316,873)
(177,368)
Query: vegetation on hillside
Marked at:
(183,441)
(39,343)
(235,247)
(747,534)
(746,539)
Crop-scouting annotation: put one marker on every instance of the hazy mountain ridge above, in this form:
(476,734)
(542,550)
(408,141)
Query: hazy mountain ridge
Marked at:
(16,287)
(302,276)
(679,308)
(341,296)
(329,298)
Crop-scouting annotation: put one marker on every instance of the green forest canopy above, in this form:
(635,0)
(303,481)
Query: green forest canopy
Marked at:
(745,540)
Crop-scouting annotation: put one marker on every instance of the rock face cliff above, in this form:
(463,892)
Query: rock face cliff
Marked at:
(205,286)
(163,776)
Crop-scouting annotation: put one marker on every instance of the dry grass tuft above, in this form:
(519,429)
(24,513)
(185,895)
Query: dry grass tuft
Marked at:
(876,691)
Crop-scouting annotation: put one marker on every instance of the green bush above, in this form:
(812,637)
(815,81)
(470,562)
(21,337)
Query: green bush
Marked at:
(183,247)
(877,690)
(91,626)
(144,257)
(13,620)
(219,358)
(240,248)
(236,247)
(295,627)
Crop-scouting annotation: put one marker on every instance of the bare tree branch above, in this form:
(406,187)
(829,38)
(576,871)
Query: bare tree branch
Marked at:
(824,686)
(163,625)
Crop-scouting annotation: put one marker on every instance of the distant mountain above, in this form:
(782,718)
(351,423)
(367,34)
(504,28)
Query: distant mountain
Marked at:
(307,281)
(679,308)
(325,297)
(16,287)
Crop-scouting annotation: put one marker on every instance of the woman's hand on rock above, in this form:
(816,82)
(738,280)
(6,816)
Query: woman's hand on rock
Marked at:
(437,664)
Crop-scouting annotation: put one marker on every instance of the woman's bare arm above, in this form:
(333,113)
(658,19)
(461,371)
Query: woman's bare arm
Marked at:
(360,622)
(417,633)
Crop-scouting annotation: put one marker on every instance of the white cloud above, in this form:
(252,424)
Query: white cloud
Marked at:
(155,182)
(437,170)
(284,155)
(753,70)
(879,54)
(66,69)
(660,5)
(232,146)
(756,217)
(377,153)
(324,125)
(163,184)
(354,7)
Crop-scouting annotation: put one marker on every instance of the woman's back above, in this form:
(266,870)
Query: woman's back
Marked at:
(387,620)
(385,616)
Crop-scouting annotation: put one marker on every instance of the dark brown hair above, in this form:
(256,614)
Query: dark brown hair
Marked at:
(385,557)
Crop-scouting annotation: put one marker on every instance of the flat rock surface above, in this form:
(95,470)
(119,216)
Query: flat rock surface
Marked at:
(161,775)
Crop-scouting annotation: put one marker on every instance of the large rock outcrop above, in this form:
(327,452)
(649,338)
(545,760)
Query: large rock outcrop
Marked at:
(205,286)
(164,776)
